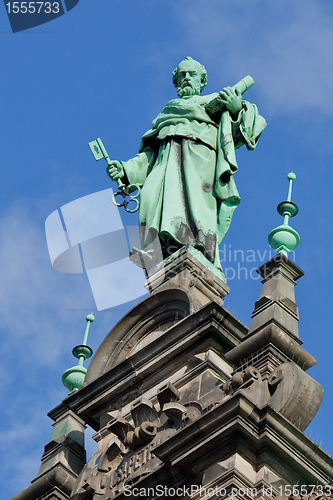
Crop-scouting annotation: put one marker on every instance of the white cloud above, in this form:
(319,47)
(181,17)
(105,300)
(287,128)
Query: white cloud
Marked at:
(42,318)
(34,298)
(286,46)
(38,331)
(20,441)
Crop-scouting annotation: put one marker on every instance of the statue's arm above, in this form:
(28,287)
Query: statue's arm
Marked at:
(248,126)
(135,170)
(246,129)
(232,100)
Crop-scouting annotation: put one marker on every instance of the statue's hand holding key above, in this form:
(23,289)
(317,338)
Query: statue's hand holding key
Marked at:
(117,173)
(115,170)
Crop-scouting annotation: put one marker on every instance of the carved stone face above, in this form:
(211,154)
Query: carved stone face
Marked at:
(188,79)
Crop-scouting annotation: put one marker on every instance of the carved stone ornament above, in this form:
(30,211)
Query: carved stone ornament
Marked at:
(128,455)
(125,455)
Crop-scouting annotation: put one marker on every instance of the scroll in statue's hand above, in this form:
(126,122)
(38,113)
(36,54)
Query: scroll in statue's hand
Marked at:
(115,170)
(232,100)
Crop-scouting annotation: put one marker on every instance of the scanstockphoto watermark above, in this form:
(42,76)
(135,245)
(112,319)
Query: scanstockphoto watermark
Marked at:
(239,264)
(183,491)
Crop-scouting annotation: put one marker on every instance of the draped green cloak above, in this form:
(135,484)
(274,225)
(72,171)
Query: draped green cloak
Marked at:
(186,164)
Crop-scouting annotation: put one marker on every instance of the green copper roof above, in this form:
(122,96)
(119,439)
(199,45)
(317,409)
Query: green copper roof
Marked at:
(284,238)
(73,378)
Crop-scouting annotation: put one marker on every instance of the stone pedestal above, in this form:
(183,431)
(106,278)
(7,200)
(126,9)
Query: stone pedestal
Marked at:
(186,402)
(188,270)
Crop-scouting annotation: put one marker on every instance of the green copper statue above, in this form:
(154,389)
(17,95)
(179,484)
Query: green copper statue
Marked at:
(186,164)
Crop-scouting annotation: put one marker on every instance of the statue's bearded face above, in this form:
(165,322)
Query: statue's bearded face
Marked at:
(188,79)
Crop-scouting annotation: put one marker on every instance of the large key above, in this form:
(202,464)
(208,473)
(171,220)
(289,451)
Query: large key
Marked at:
(99,152)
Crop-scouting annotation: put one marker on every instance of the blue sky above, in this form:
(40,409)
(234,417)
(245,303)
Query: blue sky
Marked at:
(104,70)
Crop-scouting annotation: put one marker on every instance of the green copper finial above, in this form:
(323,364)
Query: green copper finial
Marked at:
(284,238)
(291,177)
(73,378)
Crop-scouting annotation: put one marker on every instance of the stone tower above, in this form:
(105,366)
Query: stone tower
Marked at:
(187,402)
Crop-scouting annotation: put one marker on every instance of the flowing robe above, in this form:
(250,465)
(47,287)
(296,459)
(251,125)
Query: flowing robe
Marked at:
(186,164)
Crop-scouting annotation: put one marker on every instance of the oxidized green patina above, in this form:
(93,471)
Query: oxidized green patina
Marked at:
(284,238)
(73,378)
(186,164)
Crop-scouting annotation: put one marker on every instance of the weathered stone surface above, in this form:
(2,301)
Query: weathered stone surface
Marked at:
(62,461)
(295,395)
(210,330)
(274,320)
(277,298)
(273,347)
(188,270)
(174,403)
(138,328)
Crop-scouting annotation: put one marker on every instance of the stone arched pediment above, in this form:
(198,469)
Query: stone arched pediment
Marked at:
(140,326)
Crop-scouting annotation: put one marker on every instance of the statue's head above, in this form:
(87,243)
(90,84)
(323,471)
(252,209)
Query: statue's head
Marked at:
(189,78)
